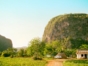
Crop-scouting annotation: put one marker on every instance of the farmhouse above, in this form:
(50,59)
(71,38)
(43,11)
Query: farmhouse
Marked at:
(82,54)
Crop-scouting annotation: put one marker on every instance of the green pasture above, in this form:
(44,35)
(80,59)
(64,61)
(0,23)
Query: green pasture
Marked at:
(76,63)
(21,62)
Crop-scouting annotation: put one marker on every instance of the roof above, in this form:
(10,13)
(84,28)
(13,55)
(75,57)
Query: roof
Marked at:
(62,55)
(82,52)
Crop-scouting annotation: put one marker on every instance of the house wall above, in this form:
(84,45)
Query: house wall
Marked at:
(78,56)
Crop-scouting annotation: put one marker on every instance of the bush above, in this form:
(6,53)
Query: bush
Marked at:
(5,54)
(37,58)
(70,53)
(0,53)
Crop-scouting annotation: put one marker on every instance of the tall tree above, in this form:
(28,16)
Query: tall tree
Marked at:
(36,47)
(53,48)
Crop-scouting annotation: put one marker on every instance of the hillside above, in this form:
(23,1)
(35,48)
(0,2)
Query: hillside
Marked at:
(72,26)
(5,43)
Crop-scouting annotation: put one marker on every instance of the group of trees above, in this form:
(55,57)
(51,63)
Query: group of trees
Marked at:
(38,49)
(13,52)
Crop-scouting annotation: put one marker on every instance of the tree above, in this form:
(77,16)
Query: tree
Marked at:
(5,54)
(9,52)
(70,52)
(84,46)
(65,43)
(48,49)
(29,51)
(56,45)
(21,53)
(53,48)
(36,47)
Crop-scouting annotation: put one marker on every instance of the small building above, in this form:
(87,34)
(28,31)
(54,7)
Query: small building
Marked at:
(60,56)
(82,54)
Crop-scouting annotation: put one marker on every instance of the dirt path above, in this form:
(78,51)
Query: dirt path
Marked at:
(58,62)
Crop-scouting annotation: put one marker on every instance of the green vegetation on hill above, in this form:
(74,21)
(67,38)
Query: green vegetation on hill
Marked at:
(5,43)
(72,26)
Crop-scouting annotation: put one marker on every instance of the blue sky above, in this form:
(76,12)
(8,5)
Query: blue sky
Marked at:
(23,20)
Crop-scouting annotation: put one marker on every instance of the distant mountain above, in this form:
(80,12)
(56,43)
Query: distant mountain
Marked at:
(5,43)
(18,48)
(73,26)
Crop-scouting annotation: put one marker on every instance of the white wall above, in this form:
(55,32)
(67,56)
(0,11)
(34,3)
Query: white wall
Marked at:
(78,56)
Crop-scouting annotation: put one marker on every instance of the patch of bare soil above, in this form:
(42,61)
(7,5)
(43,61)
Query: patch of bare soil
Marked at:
(57,62)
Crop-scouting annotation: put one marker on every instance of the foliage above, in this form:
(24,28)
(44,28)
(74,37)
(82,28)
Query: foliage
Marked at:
(5,54)
(37,57)
(48,49)
(84,46)
(56,45)
(21,53)
(21,62)
(29,52)
(70,53)
(9,52)
(76,43)
(36,48)
(52,48)
(65,44)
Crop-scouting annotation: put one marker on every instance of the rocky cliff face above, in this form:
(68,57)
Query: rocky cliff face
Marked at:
(73,26)
(5,43)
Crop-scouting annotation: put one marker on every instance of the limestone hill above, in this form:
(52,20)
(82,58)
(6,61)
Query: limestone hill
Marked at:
(73,26)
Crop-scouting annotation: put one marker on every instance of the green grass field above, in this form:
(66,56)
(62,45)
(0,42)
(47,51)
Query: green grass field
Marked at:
(21,62)
(76,63)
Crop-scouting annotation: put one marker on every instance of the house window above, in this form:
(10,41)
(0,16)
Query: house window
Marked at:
(85,55)
(81,55)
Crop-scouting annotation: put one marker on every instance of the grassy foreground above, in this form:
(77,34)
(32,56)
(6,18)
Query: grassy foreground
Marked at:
(21,62)
(76,63)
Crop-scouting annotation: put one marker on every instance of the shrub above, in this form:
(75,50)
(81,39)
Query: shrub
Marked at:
(5,54)
(37,58)
(0,53)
